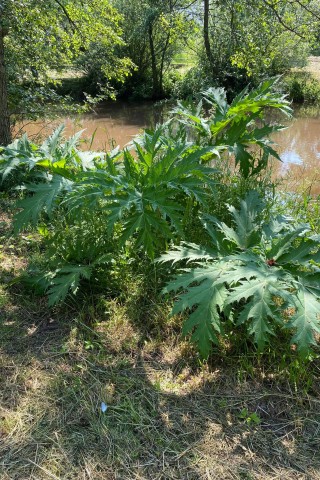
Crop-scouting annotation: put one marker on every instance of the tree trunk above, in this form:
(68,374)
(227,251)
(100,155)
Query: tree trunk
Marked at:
(5,132)
(206,5)
(155,80)
(164,51)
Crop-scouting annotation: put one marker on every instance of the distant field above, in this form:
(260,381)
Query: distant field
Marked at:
(313,66)
(185,59)
(65,73)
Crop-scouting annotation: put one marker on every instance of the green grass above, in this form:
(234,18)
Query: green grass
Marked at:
(168,417)
(184,58)
(184,61)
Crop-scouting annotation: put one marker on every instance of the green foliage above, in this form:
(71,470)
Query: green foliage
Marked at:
(256,276)
(62,280)
(45,37)
(65,279)
(191,83)
(24,161)
(304,207)
(154,31)
(250,418)
(303,88)
(92,208)
(44,199)
(137,195)
(253,39)
(235,128)
(146,196)
(76,253)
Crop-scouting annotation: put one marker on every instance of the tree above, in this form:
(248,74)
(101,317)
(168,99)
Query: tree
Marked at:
(5,133)
(253,38)
(45,35)
(154,31)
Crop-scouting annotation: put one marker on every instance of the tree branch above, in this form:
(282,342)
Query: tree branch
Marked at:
(280,20)
(65,11)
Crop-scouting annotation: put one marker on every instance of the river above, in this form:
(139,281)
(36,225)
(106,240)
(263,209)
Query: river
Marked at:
(116,123)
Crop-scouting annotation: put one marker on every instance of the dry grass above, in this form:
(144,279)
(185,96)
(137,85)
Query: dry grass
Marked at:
(168,417)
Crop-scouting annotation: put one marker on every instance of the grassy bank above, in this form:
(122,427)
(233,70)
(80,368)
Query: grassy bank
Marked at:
(303,85)
(168,416)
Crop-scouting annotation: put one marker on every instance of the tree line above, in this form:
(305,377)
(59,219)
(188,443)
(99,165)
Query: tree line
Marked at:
(127,48)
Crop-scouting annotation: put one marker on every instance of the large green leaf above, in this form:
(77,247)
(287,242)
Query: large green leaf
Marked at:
(206,297)
(66,279)
(189,252)
(306,320)
(302,253)
(205,321)
(260,308)
(282,244)
(44,200)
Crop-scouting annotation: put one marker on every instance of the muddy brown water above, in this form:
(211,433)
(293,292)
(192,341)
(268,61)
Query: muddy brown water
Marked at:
(116,123)
(299,150)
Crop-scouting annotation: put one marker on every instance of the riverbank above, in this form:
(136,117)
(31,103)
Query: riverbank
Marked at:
(303,84)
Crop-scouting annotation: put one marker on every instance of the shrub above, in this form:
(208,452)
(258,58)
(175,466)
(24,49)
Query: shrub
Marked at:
(303,88)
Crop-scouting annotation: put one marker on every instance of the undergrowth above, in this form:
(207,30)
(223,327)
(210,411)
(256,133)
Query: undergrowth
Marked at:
(105,217)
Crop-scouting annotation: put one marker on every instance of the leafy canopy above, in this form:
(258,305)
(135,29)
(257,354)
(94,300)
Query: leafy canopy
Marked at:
(45,36)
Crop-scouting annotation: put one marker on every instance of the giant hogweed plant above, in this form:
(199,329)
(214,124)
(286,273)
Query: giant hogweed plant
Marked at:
(139,196)
(240,128)
(145,189)
(261,277)
(143,194)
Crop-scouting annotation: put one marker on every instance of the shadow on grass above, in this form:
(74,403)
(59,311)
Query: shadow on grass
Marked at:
(166,418)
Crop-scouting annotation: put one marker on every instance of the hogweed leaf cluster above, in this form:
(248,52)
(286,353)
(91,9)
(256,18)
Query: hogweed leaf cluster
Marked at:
(238,129)
(261,278)
(145,189)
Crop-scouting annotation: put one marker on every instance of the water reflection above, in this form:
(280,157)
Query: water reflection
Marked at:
(299,150)
(117,122)
(114,123)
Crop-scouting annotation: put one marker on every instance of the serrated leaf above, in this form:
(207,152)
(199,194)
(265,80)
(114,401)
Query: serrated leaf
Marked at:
(306,320)
(281,245)
(259,310)
(204,323)
(44,199)
(66,279)
(188,252)
(301,253)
